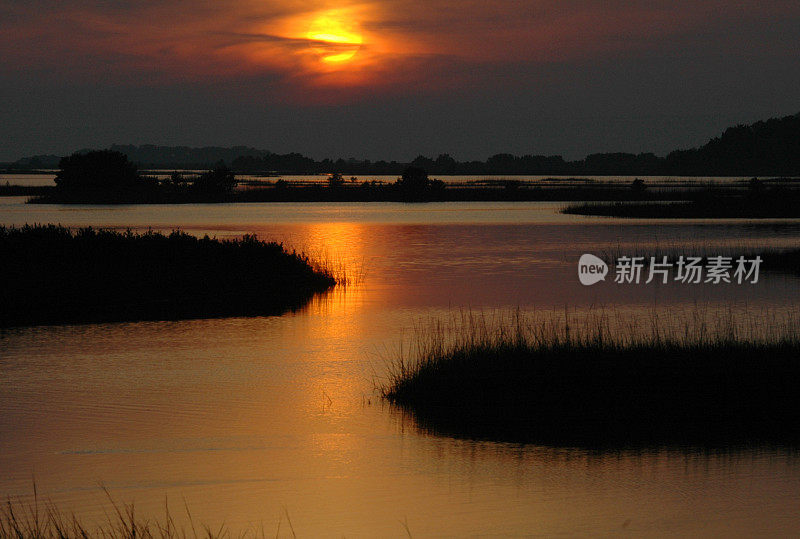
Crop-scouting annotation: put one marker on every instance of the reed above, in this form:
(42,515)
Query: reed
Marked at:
(599,378)
(52,274)
(34,518)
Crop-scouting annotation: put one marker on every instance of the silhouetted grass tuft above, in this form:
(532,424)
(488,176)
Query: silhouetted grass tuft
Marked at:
(605,380)
(54,275)
(41,519)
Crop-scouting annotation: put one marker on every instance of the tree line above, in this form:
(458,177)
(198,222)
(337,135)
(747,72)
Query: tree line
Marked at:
(770,147)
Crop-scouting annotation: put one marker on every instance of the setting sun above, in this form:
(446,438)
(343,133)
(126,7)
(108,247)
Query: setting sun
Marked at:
(336,39)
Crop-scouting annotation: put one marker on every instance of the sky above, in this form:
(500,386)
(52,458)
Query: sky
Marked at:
(392,79)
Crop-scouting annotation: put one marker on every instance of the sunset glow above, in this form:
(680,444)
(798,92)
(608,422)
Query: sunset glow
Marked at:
(404,75)
(335,38)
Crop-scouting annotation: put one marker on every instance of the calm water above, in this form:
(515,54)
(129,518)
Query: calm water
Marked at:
(247,419)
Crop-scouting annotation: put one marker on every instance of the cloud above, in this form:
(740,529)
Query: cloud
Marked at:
(405,42)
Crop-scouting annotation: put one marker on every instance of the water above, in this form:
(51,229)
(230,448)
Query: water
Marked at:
(248,419)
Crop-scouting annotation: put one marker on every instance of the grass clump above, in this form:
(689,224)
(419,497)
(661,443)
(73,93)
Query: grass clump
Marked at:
(52,274)
(40,519)
(602,380)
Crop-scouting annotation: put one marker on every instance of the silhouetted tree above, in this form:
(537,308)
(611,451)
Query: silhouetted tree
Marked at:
(423,162)
(220,181)
(335,181)
(436,186)
(445,164)
(415,185)
(97,172)
(414,180)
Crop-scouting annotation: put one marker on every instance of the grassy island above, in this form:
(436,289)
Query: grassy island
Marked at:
(553,385)
(55,275)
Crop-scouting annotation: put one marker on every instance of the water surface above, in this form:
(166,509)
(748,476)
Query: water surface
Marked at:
(249,418)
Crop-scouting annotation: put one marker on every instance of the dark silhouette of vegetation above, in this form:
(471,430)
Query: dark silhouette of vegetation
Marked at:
(101,176)
(757,202)
(756,186)
(597,389)
(179,188)
(102,171)
(414,180)
(31,516)
(335,181)
(54,275)
(767,148)
(184,157)
(414,184)
(107,177)
(217,182)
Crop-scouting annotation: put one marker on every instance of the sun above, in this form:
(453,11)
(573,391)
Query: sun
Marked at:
(335,36)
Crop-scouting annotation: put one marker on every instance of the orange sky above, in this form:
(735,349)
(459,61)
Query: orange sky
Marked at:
(393,78)
(396,41)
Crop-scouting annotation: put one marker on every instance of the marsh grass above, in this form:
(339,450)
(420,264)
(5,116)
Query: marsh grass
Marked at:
(346,272)
(604,378)
(35,518)
(52,274)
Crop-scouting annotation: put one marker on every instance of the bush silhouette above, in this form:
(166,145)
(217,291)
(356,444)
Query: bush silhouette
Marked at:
(219,181)
(414,180)
(638,185)
(335,181)
(97,172)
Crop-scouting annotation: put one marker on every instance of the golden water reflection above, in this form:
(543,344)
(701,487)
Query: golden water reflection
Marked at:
(244,417)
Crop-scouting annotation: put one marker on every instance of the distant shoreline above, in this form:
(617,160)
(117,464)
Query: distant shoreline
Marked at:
(372,193)
(605,201)
(763,148)
(502,192)
(781,205)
